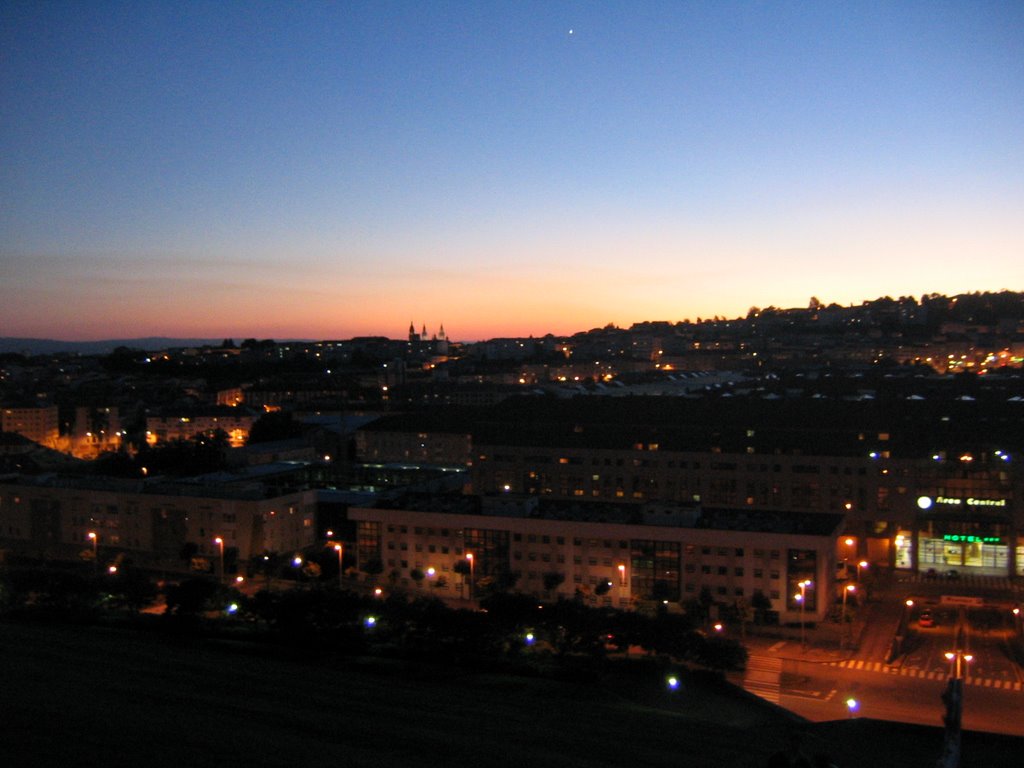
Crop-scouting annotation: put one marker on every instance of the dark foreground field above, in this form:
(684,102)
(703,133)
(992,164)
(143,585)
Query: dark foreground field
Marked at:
(81,696)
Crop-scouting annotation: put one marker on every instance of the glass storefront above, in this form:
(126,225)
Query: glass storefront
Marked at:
(904,546)
(655,569)
(987,553)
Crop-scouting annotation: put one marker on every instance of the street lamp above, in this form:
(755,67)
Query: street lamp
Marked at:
(472,576)
(340,549)
(862,564)
(95,555)
(842,629)
(220,543)
(851,705)
(802,598)
(956,668)
(622,575)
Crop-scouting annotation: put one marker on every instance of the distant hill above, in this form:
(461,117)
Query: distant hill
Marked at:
(53,346)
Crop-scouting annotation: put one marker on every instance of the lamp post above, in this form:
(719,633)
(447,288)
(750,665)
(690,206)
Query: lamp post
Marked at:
(95,554)
(842,629)
(862,564)
(802,598)
(340,549)
(850,544)
(956,668)
(220,544)
(472,576)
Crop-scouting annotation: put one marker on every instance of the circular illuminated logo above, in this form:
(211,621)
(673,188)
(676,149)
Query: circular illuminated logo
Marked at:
(924,502)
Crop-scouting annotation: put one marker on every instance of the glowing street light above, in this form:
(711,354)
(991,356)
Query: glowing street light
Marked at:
(802,599)
(862,564)
(842,630)
(340,549)
(622,575)
(220,544)
(95,554)
(957,669)
(851,705)
(472,575)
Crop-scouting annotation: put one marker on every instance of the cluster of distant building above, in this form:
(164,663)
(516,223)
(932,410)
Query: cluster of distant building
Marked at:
(603,466)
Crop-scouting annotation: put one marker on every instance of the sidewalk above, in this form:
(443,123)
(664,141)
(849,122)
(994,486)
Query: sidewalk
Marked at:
(822,641)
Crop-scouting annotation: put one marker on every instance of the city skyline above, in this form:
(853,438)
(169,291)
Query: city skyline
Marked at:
(331,171)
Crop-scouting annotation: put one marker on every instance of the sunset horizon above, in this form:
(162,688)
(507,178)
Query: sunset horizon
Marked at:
(325,171)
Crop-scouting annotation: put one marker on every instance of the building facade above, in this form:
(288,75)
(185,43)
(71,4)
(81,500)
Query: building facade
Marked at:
(974,523)
(233,422)
(605,554)
(39,424)
(151,522)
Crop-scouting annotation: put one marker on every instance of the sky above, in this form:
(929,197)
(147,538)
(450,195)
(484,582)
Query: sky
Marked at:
(324,170)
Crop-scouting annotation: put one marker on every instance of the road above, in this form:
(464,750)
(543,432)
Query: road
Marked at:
(819,692)
(816,682)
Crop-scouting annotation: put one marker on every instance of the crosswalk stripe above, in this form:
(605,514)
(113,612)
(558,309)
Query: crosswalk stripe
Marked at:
(770,666)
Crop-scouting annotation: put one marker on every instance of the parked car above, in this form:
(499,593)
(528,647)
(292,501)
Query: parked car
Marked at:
(926,619)
(931,574)
(952,575)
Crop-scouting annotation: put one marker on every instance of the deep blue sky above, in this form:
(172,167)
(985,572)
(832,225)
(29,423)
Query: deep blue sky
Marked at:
(334,169)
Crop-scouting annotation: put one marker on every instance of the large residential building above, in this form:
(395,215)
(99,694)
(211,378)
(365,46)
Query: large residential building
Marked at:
(152,521)
(40,424)
(921,484)
(236,423)
(607,554)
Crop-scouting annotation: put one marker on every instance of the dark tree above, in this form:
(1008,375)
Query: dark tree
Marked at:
(373,567)
(278,425)
(552,581)
(190,597)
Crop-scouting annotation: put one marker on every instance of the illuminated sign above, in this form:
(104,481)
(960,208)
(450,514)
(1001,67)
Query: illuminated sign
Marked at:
(926,502)
(972,539)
